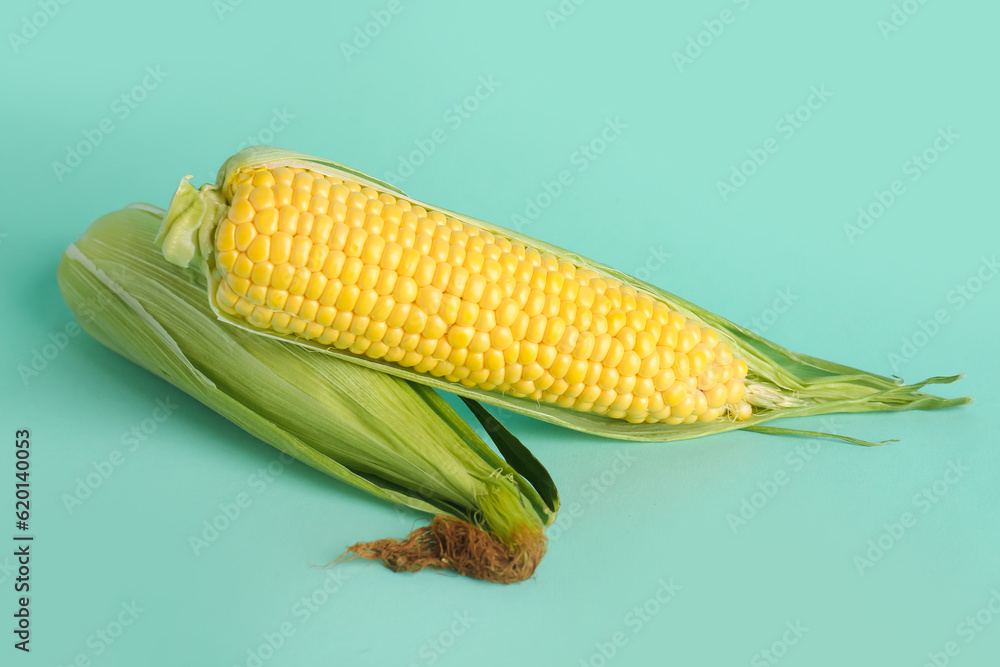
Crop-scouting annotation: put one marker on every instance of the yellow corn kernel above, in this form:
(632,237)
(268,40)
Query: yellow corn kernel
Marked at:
(393,336)
(626,383)
(616,352)
(645,344)
(492,296)
(546,355)
(266,222)
(369,277)
(259,249)
(708,378)
(480,342)
(351,272)
(442,275)
(474,288)
(460,336)
(245,234)
(408,262)
(554,330)
(669,337)
(560,365)
(241,212)
(512,352)
(675,394)
(682,366)
(609,378)
(528,352)
(225,236)
(576,372)
(227,259)
(450,307)
(506,312)
(435,327)
(397,318)
(405,290)
(735,391)
(243,266)
(520,326)
(567,343)
(602,345)
(536,329)
(282,197)
(288,220)
(664,379)
(262,273)
(415,321)
(355,242)
(534,303)
(257,295)
(281,247)
(584,345)
(468,314)
(552,307)
(630,363)
(276,298)
(244,308)
(301,247)
(684,408)
(650,365)
(486,321)
(644,387)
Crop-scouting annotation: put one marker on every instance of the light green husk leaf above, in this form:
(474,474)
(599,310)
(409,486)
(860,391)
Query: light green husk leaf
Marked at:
(398,441)
(781,383)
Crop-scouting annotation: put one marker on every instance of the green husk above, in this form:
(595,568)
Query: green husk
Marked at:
(781,383)
(398,441)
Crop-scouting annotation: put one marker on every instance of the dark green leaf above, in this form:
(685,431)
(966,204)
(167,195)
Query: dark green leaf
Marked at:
(517,455)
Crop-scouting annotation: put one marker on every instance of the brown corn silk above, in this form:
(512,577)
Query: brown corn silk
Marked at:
(454,544)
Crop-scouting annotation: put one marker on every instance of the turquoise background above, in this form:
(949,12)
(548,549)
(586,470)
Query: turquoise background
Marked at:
(661,514)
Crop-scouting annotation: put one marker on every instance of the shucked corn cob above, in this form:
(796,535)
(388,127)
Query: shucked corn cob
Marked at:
(364,271)
(302,248)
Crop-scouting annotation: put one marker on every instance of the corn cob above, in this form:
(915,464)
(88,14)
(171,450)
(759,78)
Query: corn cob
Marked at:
(311,251)
(396,440)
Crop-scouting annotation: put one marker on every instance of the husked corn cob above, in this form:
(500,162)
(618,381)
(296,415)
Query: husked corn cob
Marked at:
(304,249)
(371,273)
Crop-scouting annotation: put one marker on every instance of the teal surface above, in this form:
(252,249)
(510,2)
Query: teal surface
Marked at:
(823,173)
